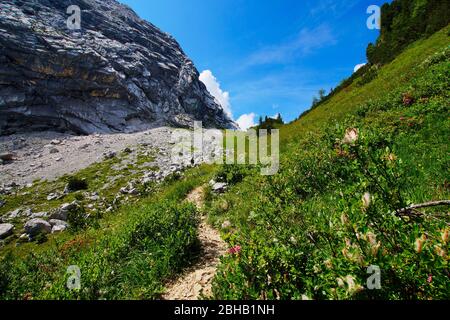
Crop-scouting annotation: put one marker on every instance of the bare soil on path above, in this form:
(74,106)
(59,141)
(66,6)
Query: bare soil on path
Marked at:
(196,280)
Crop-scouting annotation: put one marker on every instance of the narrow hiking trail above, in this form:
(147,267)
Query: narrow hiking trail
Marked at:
(197,279)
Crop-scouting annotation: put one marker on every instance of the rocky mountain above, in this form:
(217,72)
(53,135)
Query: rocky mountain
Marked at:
(117,73)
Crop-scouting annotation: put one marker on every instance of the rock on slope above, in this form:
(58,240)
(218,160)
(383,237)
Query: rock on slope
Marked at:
(118,73)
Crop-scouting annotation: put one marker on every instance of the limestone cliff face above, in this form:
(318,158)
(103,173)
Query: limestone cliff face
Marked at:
(118,73)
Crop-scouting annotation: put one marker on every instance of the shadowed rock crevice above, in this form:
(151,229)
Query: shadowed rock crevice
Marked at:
(118,73)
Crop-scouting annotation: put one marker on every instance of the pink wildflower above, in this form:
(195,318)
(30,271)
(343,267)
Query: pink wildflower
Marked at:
(430,278)
(234,250)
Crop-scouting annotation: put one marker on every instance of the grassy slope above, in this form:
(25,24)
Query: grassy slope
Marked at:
(391,76)
(128,254)
(289,225)
(305,231)
(103,178)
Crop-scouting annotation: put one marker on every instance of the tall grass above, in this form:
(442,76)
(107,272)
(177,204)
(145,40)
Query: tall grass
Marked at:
(314,229)
(130,256)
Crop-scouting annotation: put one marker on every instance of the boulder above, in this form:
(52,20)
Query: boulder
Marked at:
(7,156)
(55,142)
(219,187)
(109,209)
(146,180)
(14,214)
(24,238)
(130,189)
(37,226)
(55,222)
(59,228)
(58,225)
(62,212)
(53,196)
(58,214)
(39,215)
(6,229)
(109,154)
(133,191)
(94,196)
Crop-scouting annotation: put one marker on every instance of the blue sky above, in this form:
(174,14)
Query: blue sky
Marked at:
(267,56)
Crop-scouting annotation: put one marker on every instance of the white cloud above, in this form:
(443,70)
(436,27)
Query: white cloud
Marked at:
(246,121)
(275,115)
(303,44)
(358,66)
(213,86)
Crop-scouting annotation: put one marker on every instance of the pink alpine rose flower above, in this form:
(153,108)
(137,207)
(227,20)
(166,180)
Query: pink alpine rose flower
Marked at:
(234,250)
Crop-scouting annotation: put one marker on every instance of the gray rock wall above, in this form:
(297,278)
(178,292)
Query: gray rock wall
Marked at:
(118,73)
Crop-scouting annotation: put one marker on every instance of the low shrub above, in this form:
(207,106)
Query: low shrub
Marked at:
(76,184)
(314,230)
(147,244)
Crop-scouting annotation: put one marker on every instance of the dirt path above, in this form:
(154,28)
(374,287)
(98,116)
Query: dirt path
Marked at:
(196,280)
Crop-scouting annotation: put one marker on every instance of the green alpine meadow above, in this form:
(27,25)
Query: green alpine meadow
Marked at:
(93,206)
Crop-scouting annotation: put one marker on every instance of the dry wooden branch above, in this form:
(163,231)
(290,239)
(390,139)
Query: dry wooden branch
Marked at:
(414,207)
